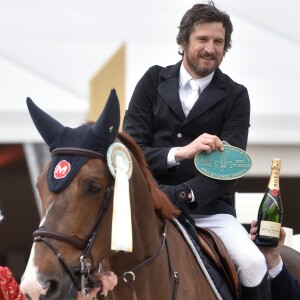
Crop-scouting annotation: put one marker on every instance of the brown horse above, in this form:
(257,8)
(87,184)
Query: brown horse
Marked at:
(74,236)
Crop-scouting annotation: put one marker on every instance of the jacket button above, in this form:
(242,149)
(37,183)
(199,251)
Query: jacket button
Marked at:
(179,135)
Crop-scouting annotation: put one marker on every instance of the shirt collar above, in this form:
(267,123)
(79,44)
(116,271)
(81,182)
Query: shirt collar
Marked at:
(185,77)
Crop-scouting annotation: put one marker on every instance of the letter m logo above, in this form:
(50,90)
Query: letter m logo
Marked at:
(62,169)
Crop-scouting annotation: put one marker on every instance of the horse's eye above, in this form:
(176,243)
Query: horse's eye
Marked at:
(94,187)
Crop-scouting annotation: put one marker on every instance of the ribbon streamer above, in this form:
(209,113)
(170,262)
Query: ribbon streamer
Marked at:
(121,239)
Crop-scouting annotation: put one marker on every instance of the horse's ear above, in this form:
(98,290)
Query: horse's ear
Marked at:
(48,127)
(107,126)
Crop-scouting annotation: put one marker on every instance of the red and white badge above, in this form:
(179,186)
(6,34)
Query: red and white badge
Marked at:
(62,169)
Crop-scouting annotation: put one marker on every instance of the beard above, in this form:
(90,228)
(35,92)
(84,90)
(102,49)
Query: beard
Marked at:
(195,66)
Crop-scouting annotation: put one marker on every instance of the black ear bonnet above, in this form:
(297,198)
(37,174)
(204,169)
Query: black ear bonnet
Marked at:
(97,137)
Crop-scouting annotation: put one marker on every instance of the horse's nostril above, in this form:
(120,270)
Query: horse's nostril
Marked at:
(53,284)
(53,290)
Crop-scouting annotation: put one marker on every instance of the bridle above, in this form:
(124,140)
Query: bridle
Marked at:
(87,282)
(43,234)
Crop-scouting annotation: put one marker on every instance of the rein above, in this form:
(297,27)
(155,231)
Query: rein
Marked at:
(130,280)
(43,235)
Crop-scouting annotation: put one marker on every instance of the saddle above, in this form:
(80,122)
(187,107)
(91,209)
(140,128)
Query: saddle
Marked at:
(214,248)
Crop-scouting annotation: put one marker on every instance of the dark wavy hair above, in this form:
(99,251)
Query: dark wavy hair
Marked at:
(204,13)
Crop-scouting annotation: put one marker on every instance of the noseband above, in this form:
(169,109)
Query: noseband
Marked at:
(42,234)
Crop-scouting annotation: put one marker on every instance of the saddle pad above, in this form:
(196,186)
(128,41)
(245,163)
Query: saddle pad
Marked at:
(213,248)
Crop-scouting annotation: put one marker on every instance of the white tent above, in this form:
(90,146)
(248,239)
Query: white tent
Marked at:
(17,84)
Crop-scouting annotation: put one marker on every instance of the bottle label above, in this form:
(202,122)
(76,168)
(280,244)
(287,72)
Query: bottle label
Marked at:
(268,228)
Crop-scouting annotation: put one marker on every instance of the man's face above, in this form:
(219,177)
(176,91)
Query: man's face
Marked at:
(205,50)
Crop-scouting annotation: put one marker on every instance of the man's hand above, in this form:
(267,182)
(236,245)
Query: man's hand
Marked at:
(205,142)
(272,255)
(109,281)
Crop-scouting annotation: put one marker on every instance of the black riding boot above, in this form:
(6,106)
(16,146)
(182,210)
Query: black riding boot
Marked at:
(259,292)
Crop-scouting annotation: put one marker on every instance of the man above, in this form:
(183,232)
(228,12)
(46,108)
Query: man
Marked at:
(283,284)
(171,128)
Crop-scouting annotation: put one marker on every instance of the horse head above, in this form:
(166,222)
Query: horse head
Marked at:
(70,187)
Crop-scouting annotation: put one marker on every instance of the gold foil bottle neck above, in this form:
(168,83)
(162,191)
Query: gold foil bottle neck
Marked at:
(276,163)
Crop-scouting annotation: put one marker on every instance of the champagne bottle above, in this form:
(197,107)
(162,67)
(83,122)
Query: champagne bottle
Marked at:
(270,210)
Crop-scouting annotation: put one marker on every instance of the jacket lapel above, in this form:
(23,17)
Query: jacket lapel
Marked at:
(210,96)
(168,89)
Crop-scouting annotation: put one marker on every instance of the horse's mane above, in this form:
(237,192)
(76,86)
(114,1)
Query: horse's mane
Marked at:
(161,202)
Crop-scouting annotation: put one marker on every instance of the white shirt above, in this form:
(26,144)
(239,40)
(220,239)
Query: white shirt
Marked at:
(184,89)
(276,270)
